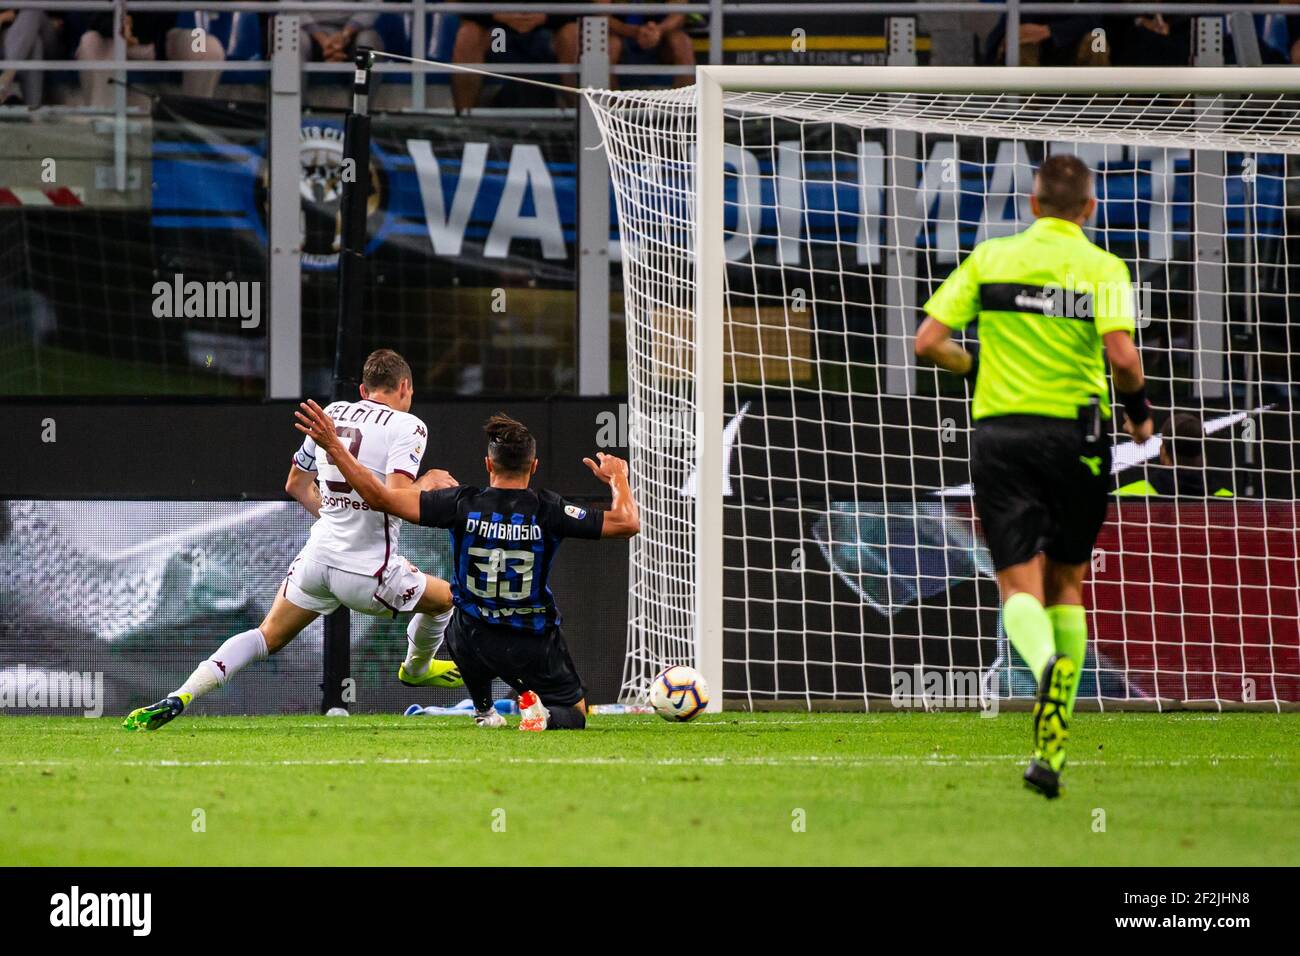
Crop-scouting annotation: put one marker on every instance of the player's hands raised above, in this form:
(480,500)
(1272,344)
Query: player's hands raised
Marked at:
(609,468)
(1140,433)
(435,479)
(313,422)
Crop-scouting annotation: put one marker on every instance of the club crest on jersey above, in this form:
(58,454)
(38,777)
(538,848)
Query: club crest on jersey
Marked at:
(573,511)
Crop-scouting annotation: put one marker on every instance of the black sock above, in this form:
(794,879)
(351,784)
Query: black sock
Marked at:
(565,718)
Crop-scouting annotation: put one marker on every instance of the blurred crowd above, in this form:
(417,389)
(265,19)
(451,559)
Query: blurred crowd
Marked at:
(519,36)
(1146,39)
(333,37)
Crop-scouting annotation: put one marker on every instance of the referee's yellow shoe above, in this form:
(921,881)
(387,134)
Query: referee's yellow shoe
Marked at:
(1051,728)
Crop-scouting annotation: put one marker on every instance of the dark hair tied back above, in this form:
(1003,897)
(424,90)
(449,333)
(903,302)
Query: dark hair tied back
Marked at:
(511,445)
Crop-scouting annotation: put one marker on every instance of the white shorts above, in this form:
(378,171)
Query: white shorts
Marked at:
(318,587)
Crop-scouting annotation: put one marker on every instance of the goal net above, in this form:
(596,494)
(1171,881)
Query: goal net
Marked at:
(817,545)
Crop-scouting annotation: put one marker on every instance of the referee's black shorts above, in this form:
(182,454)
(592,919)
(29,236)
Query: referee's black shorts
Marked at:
(526,660)
(1039,486)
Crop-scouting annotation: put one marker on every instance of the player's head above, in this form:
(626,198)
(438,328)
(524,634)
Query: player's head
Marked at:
(1063,189)
(511,450)
(386,377)
(1182,441)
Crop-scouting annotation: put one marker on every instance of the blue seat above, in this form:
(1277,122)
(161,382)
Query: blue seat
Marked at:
(442,36)
(440,32)
(394,31)
(1275,37)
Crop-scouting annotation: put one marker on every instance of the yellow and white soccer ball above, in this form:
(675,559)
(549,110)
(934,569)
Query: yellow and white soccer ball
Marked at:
(679,693)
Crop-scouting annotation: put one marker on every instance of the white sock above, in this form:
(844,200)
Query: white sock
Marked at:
(423,638)
(230,658)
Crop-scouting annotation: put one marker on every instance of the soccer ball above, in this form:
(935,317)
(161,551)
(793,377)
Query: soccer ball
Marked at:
(679,693)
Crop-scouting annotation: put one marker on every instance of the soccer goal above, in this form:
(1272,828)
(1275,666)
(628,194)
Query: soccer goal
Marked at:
(808,533)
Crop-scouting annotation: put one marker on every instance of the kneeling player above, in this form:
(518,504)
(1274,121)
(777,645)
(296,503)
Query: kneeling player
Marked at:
(504,538)
(351,557)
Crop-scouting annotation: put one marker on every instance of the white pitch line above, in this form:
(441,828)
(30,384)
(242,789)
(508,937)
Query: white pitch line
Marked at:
(794,760)
(721,761)
(810,720)
(697,725)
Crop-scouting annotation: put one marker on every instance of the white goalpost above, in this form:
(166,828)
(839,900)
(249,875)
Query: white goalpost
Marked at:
(808,536)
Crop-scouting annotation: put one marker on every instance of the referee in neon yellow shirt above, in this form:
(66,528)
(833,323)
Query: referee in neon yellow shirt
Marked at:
(1048,302)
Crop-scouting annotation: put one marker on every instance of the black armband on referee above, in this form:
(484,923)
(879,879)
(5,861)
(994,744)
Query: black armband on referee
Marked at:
(1136,406)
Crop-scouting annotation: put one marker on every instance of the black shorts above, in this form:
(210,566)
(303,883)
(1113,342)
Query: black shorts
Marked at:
(1039,486)
(526,660)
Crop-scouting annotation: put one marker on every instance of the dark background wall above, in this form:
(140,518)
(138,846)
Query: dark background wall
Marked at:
(115,501)
(212,450)
(240,451)
(66,513)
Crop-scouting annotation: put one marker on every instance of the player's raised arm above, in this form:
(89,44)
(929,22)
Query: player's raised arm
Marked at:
(623,519)
(402,502)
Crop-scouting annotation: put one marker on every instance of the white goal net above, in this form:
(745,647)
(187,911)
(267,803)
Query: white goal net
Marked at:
(853,573)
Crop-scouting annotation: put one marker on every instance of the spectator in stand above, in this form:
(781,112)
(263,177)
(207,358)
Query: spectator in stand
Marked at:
(333,37)
(196,42)
(26,35)
(145,35)
(1048,39)
(664,39)
(1150,39)
(1161,39)
(568,44)
(149,36)
(518,35)
(568,40)
(1280,37)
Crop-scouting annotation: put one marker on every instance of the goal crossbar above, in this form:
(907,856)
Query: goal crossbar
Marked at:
(1009,79)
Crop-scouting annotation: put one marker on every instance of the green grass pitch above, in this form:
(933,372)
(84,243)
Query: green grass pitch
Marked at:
(735,788)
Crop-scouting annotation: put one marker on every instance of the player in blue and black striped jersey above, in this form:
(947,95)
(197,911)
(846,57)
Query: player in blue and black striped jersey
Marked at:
(504,539)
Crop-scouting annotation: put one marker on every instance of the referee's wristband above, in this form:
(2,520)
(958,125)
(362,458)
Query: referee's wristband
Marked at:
(1136,406)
